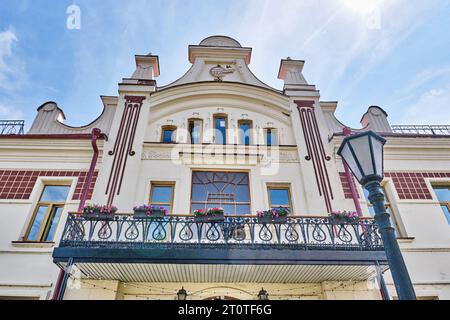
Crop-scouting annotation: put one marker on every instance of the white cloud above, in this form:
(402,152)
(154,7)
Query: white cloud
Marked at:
(338,41)
(12,77)
(431,108)
(421,79)
(6,40)
(341,43)
(422,101)
(7,113)
(12,68)
(335,38)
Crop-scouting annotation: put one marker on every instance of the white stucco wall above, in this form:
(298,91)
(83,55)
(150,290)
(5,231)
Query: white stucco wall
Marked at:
(27,270)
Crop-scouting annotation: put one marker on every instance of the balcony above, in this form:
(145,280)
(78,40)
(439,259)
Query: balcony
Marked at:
(11,127)
(434,130)
(180,248)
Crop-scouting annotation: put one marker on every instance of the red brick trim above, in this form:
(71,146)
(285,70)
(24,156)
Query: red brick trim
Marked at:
(409,185)
(346,186)
(412,186)
(78,136)
(18,184)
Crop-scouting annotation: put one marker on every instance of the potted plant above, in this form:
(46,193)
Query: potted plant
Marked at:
(100,212)
(343,217)
(209,215)
(144,211)
(200,213)
(272,215)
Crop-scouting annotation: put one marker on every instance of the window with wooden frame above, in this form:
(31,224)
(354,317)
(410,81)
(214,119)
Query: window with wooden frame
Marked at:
(245,128)
(279,195)
(168,134)
(195,127)
(220,128)
(443,194)
(388,206)
(161,194)
(271,136)
(47,213)
(226,189)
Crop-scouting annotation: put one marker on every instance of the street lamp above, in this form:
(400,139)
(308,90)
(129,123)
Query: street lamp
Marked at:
(263,295)
(182,294)
(363,154)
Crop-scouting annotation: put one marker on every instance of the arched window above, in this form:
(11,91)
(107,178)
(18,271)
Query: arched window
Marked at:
(168,134)
(195,127)
(245,135)
(271,136)
(220,128)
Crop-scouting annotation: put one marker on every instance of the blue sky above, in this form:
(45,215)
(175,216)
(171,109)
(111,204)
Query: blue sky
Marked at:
(391,53)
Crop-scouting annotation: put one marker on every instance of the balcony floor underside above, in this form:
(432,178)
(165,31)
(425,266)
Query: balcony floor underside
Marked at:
(220,273)
(199,264)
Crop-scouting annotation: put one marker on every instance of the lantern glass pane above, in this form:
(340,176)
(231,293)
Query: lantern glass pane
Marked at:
(378,155)
(351,161)
(361,148)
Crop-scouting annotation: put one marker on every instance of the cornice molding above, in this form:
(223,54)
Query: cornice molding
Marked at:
(224,87)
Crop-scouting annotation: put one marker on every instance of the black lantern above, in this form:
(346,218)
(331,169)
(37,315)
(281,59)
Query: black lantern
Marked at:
(182,294)
(363,154)
(263,295)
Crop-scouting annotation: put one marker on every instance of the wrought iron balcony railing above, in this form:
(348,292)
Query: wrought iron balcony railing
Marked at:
(127,231)
(436,130)
(11,126)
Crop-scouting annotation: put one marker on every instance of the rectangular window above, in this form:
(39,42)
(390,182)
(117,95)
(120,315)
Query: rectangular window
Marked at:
(443,194)
(279,196)
(47,213)
(195,131)
(220,126)
(388,206)
(271,136)
(168,134)
(244,132)
(228,190)
(161,195)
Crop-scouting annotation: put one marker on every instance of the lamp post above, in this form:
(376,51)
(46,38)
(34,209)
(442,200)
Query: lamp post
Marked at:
(263,295)
(363,154)
(182,294)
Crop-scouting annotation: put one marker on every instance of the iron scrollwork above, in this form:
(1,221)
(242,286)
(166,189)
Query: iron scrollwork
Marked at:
(302,232)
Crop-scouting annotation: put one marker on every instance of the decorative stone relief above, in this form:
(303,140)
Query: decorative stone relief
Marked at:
(288,156)
(219,72)
(156,155)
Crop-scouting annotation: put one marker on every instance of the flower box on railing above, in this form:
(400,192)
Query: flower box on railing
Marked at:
(99,216)
(210,215)
(146,211)
(343,217)
(276,215)
(99,212)
(268,219)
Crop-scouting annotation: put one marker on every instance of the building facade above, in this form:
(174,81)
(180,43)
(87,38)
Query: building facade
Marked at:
(216,137)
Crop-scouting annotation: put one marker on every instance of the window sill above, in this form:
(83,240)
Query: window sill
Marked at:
(405,239)
(32,244)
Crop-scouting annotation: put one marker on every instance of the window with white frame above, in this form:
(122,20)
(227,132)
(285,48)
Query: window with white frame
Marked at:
(443,194)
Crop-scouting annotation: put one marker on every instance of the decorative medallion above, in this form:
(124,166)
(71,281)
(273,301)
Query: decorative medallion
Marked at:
(218,72)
